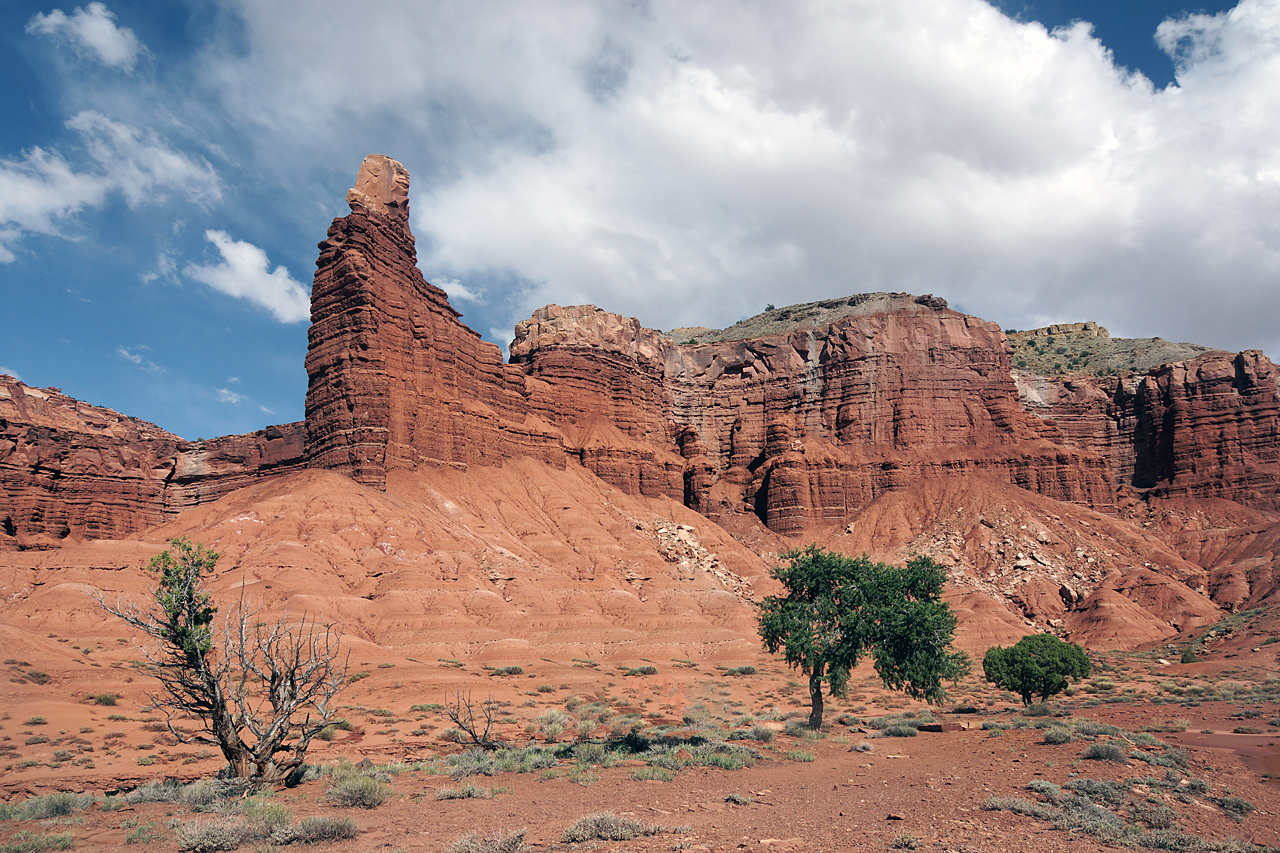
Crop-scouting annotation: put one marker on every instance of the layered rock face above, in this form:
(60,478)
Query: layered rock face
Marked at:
(394,379)
(68,469)
(801,429)
(1204,428)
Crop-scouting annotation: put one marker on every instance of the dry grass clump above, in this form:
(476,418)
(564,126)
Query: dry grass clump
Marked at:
(474,842)
(607,826)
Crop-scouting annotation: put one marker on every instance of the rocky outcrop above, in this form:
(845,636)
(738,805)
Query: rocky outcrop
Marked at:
(1204,428)
(800,429)
(395,380)
(69,469)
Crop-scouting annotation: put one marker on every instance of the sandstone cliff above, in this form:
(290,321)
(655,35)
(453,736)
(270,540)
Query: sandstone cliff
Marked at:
(610,470)
(68,469)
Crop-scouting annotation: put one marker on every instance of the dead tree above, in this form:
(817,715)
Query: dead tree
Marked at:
(462,712)
(247,681)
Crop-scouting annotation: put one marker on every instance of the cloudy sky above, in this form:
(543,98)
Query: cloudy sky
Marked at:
(165,175)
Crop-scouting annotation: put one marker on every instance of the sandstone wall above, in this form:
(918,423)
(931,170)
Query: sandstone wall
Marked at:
(69,469)
(1206,428)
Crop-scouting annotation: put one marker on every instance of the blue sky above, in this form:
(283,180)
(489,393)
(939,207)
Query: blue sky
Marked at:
(166,171)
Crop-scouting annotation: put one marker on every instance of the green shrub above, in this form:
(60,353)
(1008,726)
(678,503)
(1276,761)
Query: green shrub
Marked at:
(904,841)
(1106,752)
(509,670)
(1039,663)
(642,670)
(739,799)
(901,731)
(105,699)
(800,755)
(1057,735)
(1037,709)
(740,670)
(1235,806)
(37,720)
(359,792)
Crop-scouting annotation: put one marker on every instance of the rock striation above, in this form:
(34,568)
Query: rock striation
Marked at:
(69,469)
(394,380)
(608,469)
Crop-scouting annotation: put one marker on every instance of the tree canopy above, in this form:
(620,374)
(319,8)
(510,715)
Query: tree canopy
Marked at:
(1038,663)
(838,609)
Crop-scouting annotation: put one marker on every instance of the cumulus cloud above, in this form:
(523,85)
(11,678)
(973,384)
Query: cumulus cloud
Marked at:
(244,274)
(91,31)
(689,163)
(43,189)
(458,290)
(227,396)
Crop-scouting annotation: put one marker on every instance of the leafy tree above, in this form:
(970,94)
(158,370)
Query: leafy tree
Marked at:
(839,608)
(245,681)
(1038,663)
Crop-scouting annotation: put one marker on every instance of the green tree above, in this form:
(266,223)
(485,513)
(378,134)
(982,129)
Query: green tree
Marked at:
(839,608)
(1038,663)
(245,681)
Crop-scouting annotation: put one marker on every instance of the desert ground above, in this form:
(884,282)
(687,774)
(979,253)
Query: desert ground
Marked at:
(689,754)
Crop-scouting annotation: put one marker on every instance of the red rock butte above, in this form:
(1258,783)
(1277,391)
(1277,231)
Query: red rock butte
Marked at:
(619,490)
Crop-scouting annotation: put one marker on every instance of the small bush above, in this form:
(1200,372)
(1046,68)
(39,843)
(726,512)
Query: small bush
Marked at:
(901,731)
(108,699)
(642,670)
(319,829)
(904,841)
(37,720)
(1248,730)
(1098,790)
(359,792)
(1037,709)
(740,670)
(800,755)
(652,774)
(1188,656)
(606,826)
(1106,752)
(474,842)
(509,670)
(29,842)
(52,805)
(1235,806)
(865,746)
(1045,788)
(739,799)
(466,792)
(210,837)
(37,677)
(1057,735)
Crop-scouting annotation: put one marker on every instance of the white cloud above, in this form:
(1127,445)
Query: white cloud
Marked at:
(135,356)
(244,274)
(458,290)
(93,31)
(9,371)
(689,163)
(226,396)
(42,190)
